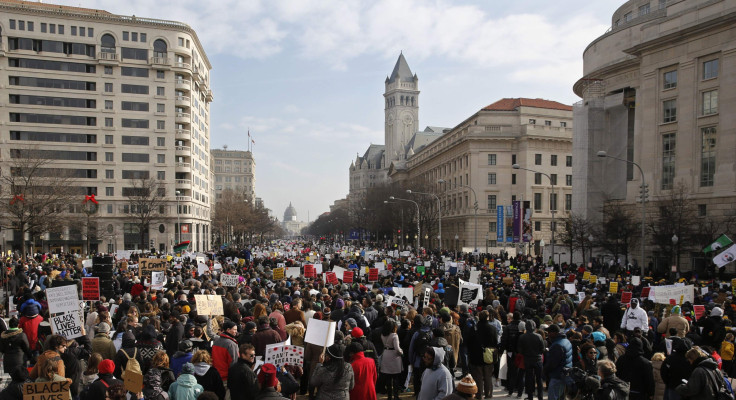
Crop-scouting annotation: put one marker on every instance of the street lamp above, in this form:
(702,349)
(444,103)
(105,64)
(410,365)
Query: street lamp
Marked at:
(475,207)
(419,232)
(402,222)
(553,228)
(675,253)
(439,213)
(178,218)
(457,244)
(590,239)
(643,195)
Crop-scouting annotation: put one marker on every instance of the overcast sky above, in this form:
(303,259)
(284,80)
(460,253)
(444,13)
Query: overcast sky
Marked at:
(307,77)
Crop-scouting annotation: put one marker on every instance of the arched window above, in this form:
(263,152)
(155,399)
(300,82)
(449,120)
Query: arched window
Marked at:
(107,43)
(159,48)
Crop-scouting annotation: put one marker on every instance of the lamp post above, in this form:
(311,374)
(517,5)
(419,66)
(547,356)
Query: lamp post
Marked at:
(419,232)
(475,217)
(439,213)
(401,235)
(457,243)
(178,218)
(541,246)
(675,254)
(643,196)
(553,228)
(590,239)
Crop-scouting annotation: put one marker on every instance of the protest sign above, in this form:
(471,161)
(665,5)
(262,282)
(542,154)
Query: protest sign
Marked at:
(230,280)
(209,304)
(293,272)
(68,325)
(133,381)
(427,295)
(339,271)
(525,277)
(309,271)
(613,287)
(146,265)
(399,302)
(636,280)
(667,294)
(62,299)
(470,293)
(571,289)
(581,296)
(158,279)
(402,292)
(317,269)
(421,269)
(372,274)
(90,289)
(474,276)
(202,268)
(278,273)
(321,333)
(586,275)
(54,390)
(699,311)
(553,276)
(593,279)
(281,354)
(331,278)
(645,291)
(347,277)
(625,297)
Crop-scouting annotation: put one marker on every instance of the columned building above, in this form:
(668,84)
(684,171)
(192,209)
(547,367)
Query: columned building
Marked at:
(234,170)
(650,95)
(111,100)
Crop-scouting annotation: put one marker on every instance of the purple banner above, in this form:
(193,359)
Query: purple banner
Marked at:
(527,234)
(516,205)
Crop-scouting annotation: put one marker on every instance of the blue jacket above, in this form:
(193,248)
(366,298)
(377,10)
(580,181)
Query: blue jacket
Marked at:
(178,361)
(558,357)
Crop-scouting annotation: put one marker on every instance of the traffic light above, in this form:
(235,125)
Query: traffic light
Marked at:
(399,231)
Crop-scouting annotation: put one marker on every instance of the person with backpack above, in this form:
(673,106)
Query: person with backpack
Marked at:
(611,387)
(705,380)
(509,343)
(482,349)
(186,386)
(98,389)
(438,340)
(127,357)
(420,341)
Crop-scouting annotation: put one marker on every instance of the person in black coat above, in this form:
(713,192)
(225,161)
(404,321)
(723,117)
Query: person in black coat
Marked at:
(175,335)
(612,314)
(241,378)
(532,346)
(14,346)
(98,389)
(676,367)
(206,375)
(635,369)
(509,342)
(77,349)
(127,351)
(480,337)
(14,390)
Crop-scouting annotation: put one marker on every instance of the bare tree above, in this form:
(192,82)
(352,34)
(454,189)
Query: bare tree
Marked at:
(147,202)
(676,215)
(618,230)
(34,195)
(575,235)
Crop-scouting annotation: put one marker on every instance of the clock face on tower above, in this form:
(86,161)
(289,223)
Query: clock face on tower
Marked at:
(408,119)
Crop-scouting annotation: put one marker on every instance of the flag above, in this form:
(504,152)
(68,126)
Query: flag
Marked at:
(725,257)
(721,242)
(181,246)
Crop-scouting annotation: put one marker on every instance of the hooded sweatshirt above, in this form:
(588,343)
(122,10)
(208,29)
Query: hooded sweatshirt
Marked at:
(436,381)
(185,388)
(635,317)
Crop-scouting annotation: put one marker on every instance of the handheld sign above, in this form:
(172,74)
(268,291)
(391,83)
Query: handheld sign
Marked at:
(158,279)
(625,297)
(55,390)
(699,311)
(321,333)
(347,277)
(278,273)
(372,274)
(64,313)
(229,280)
(91,289)
(613,287)
(133,381)
(146,265)
(309,271)
(332,278)
(208,304)
(281,354)
(645,291)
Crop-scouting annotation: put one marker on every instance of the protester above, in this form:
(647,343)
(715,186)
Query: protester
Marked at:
(333,377)
(436,381)
(14,346)
(705,371)
(186,386)
(242,380)
(391,361)
(99,388)
(611,387)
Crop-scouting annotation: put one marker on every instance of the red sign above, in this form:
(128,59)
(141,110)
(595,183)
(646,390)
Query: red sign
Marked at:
(699,311)
(309,271)
(645,291)
(332,278)
(673,302)
(373,274)
(185,228)
(347,277)
(90,289)
(625,297)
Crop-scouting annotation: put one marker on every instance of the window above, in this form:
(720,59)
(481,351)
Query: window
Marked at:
(492,178)
(53,137)
(136,72)
(22,25)
(568,180)
(160,108)
(710,102)
(108,70)
(134,106)
(108,87)
(563,124)
(109,191)
(160,74)
(702,210)
(537,202)
(12,24)
(109,174)
(135,157)
(537,159)
(134,36)
(108,156)
(537,178)
(160,91)
(669,111)
(568,202)
(181,42)
(547,123)
(52,28)
(61,29)
(553,160)
(708,156)
(670,79)
(553,179)
(491,159)
(491,201)
(126,36)
(135,140)
(134,123)
(108,123)
(553,201)
(491,227)
(134,89)
(43,26)
(568,161)
(710,69)
(108,104)
(628,17)
(669,142)
(513,159)
(129,53)
(108,139)
(644,10)
(160,141)
(143,37)
(81,31)
(537,226)
(30,26)
(513,179)
(532,121)
(74,30)
(161,158)
(161,175)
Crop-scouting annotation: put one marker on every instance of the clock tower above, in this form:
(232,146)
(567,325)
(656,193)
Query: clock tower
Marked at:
(401,109)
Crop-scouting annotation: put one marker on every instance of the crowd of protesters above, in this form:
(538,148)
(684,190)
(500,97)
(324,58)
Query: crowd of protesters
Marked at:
(526,336)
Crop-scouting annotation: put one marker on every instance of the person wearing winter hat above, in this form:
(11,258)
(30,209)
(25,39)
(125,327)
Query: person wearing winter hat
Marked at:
(714,328)
(14,390)
(465,389)
(269,383)
(333,377)
(186,386)
(98,388)
(181,357)
(675,320)
(365,373)
(225,349)
(635,317)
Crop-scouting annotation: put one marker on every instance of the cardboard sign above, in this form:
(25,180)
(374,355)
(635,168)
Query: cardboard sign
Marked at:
(229,280)
(613,287)
(571,289)
(133,382)
(470,293)
(636,280)
(202,269)
(372,274)
(91,289)
(309,271)
(668,294)
(645,291)
(293,272)
(57,390)
(625,297)
(586,275)
(62,299)
(281,354)
(525,277)
(158,279)
(581,296)
(68,325)
(278,273)
(209,304)
(553,276)
(146,265)
(321,333)
(593,279)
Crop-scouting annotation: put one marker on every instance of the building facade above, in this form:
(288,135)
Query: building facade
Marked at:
(479,153)
(234,170)
(650,93)
(111,99)
(291,224)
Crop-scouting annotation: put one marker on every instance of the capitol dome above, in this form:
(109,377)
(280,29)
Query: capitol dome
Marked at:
(290,213)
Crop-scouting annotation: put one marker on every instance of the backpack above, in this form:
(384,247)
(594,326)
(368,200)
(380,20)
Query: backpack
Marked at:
(722,391)
(565,310)
(132,365)
(423,340)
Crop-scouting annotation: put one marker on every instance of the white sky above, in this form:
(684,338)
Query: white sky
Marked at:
(307,77)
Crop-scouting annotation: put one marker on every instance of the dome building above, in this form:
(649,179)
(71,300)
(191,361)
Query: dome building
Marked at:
(291,225)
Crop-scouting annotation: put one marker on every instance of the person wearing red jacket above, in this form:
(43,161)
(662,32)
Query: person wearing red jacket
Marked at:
(225,349)
(364,370)
(29,323)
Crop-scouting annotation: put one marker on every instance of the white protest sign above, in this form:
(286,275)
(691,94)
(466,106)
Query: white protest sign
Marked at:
(581,296)
(208,304)
(663,294)
(62,299)
(380,266)
(318,268)
(475,276)
(339,272)
(570,287)
(86,263)
(636,280)
(217,266)
(404,292)
(293,272)
(280,354)
(469,293)
(321,333)
(229,280)
(202,268)
(68,325)
(158,279)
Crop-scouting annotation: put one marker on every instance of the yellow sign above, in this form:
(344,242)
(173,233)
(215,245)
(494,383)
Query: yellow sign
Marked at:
(593,279)
(553,276)
(525,277)
(613,287)
(586,275)
(278,273)
(491,265)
